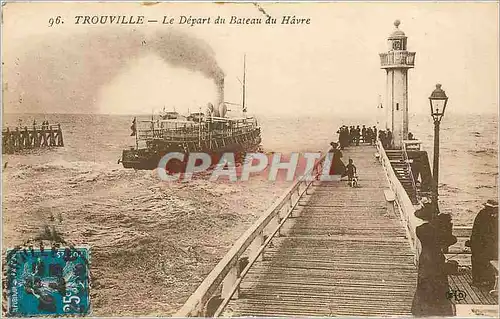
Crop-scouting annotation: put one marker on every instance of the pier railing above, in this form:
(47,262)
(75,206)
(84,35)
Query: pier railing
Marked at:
(403,201)
(410,172)
(227,276)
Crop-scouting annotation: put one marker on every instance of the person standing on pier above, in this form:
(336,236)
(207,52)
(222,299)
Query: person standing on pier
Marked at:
(341,132)
(369,135)
(337,167)
(381,137)
(357,133)
(430,298)
(374,136)
(484,244)
(351,135)
(388,136)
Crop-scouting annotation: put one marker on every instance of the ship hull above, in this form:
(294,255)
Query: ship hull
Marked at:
(149,158)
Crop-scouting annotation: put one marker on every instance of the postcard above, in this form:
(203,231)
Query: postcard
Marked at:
(218,159)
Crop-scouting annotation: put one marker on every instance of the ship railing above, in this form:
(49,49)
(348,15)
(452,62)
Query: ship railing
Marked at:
(405,206)
(226,277)
(189,134)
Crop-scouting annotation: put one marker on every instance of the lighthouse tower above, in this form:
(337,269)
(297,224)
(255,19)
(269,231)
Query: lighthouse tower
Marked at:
(396,62)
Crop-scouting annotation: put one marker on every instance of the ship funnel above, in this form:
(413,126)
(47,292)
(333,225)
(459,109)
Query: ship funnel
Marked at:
(222,110)
(220,95)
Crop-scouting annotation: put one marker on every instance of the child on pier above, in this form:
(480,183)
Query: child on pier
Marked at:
(351,173)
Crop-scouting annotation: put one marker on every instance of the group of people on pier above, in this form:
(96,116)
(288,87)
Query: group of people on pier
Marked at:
(353,135)
(385,138)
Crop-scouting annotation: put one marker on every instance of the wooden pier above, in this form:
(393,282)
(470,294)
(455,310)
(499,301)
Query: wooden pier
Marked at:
(15,139)
(343,253)
(326,249)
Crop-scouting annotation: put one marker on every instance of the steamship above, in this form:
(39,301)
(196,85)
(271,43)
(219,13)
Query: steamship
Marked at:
(211,132)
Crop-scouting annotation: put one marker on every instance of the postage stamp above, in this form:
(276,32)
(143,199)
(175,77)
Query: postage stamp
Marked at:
(45,282)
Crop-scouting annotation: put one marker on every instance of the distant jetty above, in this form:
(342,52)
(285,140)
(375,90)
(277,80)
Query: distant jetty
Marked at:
(36,136)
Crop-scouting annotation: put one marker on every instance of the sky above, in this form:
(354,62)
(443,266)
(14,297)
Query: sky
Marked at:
(328,67)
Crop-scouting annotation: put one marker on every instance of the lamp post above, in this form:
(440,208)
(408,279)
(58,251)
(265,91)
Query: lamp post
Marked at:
(438,101)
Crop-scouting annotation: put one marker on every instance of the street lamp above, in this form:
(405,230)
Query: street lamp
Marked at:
(438,101)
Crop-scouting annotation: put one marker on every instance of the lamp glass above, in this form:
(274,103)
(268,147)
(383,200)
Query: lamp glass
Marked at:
(438,106)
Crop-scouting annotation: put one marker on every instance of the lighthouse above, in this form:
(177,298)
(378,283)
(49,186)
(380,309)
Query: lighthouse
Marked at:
(396,62)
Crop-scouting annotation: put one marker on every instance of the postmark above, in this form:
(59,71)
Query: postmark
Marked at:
(52,281)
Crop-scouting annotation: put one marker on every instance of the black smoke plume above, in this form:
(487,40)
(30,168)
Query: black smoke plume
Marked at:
(65,74)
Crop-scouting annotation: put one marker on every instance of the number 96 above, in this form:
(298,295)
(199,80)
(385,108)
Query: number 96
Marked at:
(53,21)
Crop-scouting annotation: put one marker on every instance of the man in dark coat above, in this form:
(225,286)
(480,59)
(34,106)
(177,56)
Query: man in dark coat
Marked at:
(382,138)
(388,136)
(432,285)
(357,134)
(369,135)
(484,244)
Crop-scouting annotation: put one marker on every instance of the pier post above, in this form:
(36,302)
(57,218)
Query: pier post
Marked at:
(26,138)
(255,246)
(232,276)
(60,141)
(17,139)
(43,135)
(34,137)
(52,138)
(390,198)
(435,164)
(229,282)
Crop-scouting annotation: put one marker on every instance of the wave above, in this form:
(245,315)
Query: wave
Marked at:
(449,188)
(484,151)
(485,186)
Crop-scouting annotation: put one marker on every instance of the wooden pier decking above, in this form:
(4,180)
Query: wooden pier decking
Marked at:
(326,249)
(342,253)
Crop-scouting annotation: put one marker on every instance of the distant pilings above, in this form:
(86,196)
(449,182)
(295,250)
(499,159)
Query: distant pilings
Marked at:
(19,138)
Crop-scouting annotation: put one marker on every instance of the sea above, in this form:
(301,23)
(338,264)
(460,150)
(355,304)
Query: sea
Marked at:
(157,241)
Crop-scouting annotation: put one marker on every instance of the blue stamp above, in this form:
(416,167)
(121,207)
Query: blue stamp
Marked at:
(53,282)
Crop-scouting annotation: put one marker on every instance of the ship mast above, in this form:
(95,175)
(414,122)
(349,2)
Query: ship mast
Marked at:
(244,88)
(199,129)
